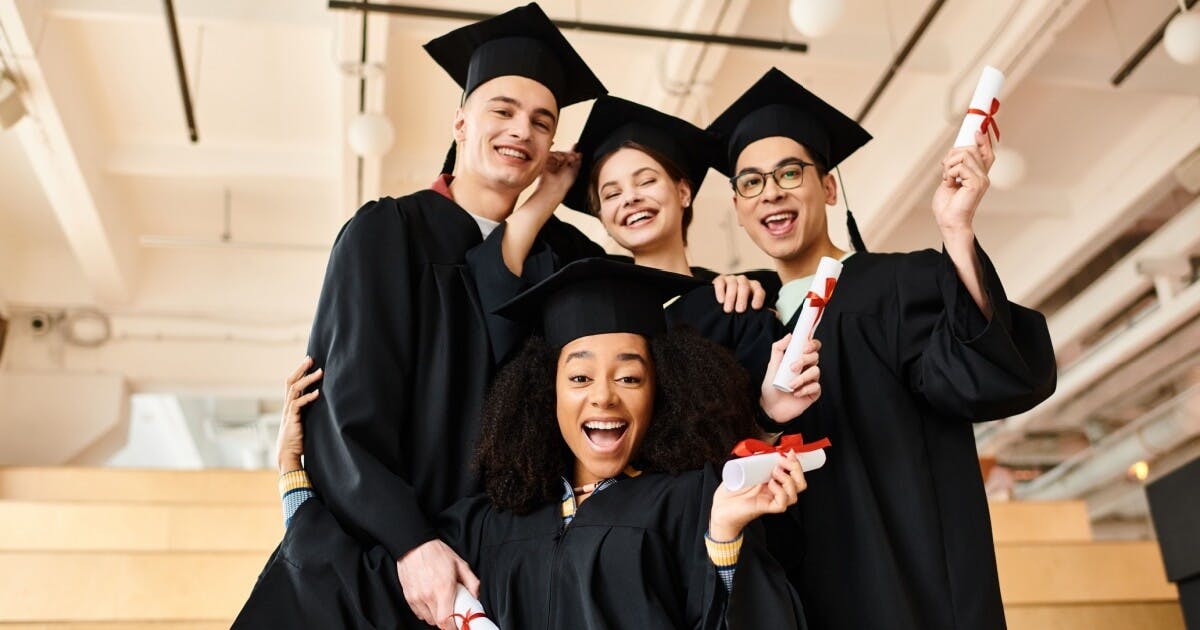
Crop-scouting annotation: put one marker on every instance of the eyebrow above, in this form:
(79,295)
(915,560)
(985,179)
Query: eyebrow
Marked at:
(631,356)
(786,160)
(635,174)
(579,354)
(624,356)
(515,103)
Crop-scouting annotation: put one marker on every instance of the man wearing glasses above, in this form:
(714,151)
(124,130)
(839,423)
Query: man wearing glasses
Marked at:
(894,531)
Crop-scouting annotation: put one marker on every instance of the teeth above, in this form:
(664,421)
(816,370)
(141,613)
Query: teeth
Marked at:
(638,216)
(512,153)
(782,216)
(601,425)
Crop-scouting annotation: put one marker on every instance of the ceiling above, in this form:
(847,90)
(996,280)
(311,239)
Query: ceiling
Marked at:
(208,257)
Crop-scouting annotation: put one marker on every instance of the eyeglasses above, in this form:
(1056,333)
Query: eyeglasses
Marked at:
(752,183)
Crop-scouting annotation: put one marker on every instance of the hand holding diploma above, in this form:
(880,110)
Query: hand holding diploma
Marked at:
(468,612)
(756,459)
(819,294)
(732,511)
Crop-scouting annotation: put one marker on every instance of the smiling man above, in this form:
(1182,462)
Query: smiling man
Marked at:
(400,331)
(894,531)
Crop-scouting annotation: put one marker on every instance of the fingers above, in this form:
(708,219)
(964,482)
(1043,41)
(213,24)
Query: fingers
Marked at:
(760,295)
(445,607)
(467,578)
(298,372)
(309,379)
(807,383)
(305,399)
(719,288)
(987,152)
(743,294)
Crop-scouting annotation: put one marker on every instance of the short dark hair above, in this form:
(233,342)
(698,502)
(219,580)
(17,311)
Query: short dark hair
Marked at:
(672,169)
(702,407)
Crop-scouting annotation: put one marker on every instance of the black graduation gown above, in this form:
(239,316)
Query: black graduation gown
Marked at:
(748,336)
(896,526)
(633,557)
(400,331)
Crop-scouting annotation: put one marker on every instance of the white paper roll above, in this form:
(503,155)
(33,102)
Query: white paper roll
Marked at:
(744,472)
(988,88)
(466,605)
(806,324)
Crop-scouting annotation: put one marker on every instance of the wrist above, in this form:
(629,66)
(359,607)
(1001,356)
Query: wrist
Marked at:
(288,463)
(957,234)
(720,531)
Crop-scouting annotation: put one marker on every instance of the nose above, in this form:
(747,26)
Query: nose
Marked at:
(521,128)
(602,394)
(771,190)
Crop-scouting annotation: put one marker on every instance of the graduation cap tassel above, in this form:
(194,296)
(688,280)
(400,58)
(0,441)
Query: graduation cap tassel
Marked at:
(856,239)
(448,165)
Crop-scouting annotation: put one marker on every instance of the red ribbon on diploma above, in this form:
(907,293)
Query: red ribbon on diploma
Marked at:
(989,119)
(821,301)
(466,619)
(794,442)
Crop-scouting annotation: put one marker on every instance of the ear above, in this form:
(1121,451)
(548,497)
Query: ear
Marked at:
(460,121)
(685,193)
(831,192)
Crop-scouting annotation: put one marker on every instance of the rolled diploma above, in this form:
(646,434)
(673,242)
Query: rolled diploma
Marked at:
(988,88)
(465,605)
(806,324)
(744,472)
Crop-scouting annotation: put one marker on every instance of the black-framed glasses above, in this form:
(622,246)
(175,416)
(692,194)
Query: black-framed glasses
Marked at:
(751,184)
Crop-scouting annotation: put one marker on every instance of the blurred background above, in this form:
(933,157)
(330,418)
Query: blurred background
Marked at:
(172,175)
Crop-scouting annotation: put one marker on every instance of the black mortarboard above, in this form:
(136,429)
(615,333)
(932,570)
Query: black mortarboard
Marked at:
(615,121)
(595,296)
(522,42)
(778,106)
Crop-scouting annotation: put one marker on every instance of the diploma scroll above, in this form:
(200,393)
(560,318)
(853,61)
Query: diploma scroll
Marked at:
(468,612)
(828,272)
(744,472)
(983,108)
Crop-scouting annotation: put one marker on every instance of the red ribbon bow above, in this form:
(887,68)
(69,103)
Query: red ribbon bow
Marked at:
(821,301)
(466,619)
(794,442)
(989,119)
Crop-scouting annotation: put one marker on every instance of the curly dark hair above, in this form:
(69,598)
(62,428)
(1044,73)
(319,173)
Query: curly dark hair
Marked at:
(702,407)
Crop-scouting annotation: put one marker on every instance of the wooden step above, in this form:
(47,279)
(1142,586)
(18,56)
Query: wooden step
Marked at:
(125,485)
(119,587)
(1082,573)
(29,526)
(1040,521)
(1147,615)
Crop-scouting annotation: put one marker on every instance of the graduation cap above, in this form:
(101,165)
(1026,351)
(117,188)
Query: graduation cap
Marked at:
(595,296)
(614,121)
(776,105)
(522,42)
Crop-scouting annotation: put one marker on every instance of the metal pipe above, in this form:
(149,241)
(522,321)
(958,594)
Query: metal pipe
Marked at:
(1143,51)
(900,58)
(173,29)
(594,27)
(1155,433)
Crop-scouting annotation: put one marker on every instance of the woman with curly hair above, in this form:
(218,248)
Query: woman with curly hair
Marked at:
(602,505)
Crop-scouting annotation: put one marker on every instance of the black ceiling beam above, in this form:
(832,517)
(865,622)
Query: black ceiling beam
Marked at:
(1143,51)
(188,111)
(594,27)
(900,57)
